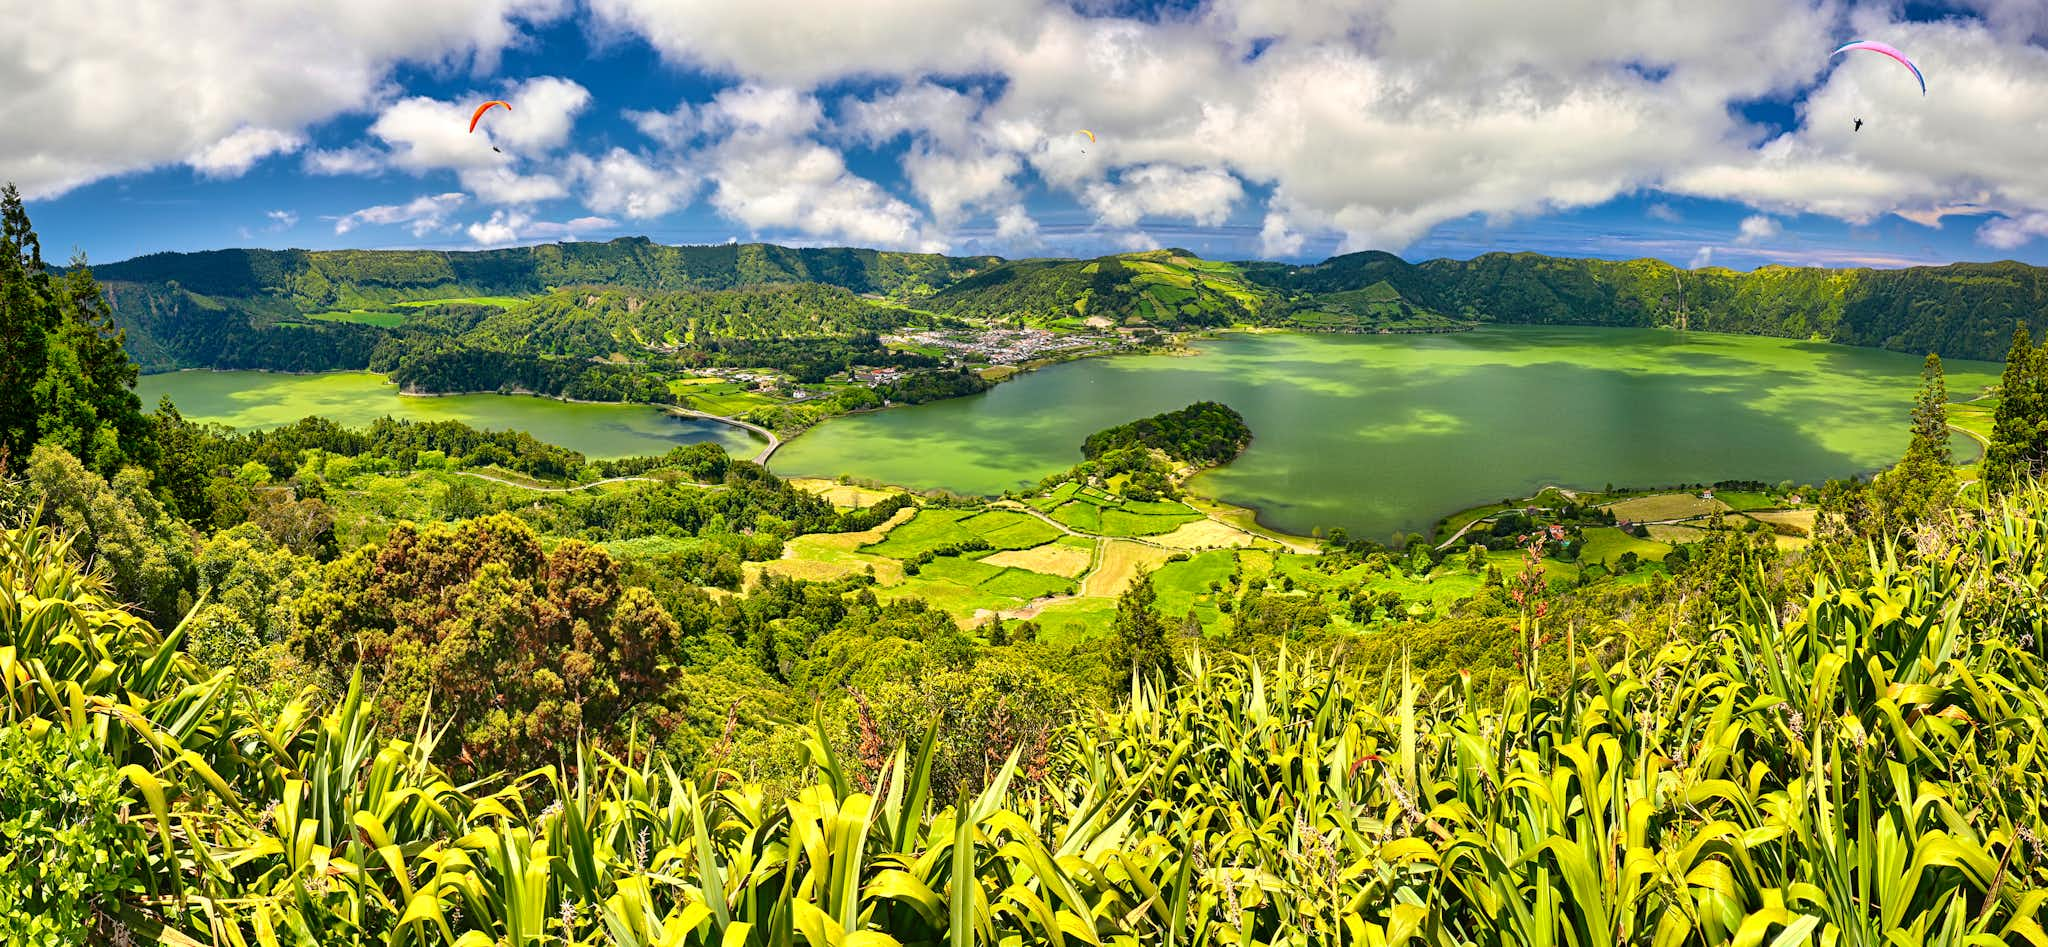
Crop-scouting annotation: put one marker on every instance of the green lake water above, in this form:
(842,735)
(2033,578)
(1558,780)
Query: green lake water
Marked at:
(1384,433)
(254,400)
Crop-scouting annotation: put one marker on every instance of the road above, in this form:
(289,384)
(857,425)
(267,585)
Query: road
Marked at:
(766,452)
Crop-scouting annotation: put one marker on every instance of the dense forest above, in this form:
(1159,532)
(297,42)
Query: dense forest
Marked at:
(417,684)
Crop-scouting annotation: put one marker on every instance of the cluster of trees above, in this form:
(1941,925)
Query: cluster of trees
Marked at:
(1203,434)
(64,378)
(445,367)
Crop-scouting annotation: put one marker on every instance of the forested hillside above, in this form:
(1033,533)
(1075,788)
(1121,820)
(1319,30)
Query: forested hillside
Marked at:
(249,308)
(1171,289)
(1964,310)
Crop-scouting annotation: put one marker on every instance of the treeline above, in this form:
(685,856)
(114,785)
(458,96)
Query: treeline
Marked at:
(602,321)
(316,280)
(1964,310)
(1203,434)
(443,368)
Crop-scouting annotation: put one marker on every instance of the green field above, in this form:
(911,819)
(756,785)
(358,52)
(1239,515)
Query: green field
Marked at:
(368,317)
(1092,510)
(933,529)
(502,302)
(1605,543)
(1184,586)
(717,396)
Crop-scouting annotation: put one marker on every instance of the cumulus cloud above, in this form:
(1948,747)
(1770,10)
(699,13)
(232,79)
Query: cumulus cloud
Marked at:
(2008,233)
(1277,238)
(622,182)
(353,160)
(799,42)
(90,76)
(1977,144)
(283,219)
(769,171)
(1201,195)
(507,227)
(1757,228)
(1664,212)
(422,215)
(424,134)
(234,155)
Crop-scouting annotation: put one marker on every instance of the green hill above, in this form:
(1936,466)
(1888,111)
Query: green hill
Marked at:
(296,309)
(1960,310)
(1171,289)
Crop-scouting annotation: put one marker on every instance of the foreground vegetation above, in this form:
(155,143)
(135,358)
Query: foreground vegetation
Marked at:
(419,684)
(1856,764)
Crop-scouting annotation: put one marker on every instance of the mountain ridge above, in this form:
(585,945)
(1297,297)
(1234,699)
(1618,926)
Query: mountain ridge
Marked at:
(182,308)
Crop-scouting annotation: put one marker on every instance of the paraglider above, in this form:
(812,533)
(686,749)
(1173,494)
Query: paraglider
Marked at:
(1859,126)
(1884,50)
(1091,138)
(478,116)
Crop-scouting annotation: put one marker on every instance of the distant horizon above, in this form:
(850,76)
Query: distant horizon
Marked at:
(1411,260)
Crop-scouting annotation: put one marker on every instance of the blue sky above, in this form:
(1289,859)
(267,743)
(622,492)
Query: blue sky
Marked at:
(1703,134)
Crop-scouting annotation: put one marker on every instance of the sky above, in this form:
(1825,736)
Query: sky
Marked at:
(1703,133)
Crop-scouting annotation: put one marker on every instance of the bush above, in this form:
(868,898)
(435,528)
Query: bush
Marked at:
(68,855)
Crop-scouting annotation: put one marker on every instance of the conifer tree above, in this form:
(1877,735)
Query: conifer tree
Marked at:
(2017,431)
(64,378)
(1140,643)
(1923,484)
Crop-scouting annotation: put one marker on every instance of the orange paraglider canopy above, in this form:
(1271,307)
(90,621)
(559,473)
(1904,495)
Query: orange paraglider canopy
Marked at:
(481,109)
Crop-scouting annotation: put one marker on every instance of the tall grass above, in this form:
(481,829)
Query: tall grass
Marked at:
(1863,767)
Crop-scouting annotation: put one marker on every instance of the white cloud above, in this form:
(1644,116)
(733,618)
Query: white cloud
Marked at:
(424,134)
(1202,195)
(1703,257)
(799,42)
(114,86)
(1977,140)
(674,128)
(771,173)
(423,215)
(283,219)
(1016,227)
(1277,239)
(805,187)
(353,160)
(505,186)
(506,227)
(2008,233)
(625,183)
(234,155)
(1757,228)
(1664,212)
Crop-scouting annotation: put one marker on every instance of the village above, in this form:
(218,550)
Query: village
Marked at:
(998,346)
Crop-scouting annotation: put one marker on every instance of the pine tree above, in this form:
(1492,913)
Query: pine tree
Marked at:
(1923,484)
(24,324)
(1930,414)
(2018,422)
(64,377)
(1140,644)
